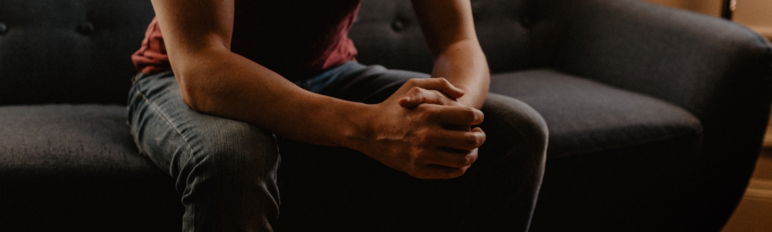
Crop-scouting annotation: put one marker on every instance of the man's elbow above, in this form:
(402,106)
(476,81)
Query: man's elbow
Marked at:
(194,93)
(196,72)
(191,99)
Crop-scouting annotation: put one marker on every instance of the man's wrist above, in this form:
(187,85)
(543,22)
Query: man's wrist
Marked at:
(355,128)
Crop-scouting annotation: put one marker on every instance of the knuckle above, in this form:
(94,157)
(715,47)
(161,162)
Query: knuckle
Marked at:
(463,170)
(471,158)
(443,80)
(479,139)
(415,90)
(466,160)
(446,84)
(483,138)
(420,156)
(470,142)
(474,115)
(462,162)
(413,156)
(479,116)
(416,155)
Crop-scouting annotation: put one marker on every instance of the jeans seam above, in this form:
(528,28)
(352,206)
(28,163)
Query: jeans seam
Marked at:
(189,149)
(166,119)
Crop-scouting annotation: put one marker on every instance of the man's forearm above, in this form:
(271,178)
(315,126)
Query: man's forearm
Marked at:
(231,86)
(463,64)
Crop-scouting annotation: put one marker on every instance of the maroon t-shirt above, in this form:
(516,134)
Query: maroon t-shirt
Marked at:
(292,38)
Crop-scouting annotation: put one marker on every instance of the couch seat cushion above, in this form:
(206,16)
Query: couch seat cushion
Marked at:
(67,139)
(585,116)
(63,166)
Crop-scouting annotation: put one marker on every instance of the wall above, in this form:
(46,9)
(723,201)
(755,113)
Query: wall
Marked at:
(709,7)
(756,14)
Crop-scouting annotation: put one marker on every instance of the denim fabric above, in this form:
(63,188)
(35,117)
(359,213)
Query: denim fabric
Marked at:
(326,78)
(226,171)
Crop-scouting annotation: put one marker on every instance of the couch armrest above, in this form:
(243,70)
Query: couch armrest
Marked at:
(692,60)
(717,70)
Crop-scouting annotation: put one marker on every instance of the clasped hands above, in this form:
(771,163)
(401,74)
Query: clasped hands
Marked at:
(423,131)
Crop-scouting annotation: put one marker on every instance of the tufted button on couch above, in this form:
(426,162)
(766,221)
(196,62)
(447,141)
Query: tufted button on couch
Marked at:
(655,115)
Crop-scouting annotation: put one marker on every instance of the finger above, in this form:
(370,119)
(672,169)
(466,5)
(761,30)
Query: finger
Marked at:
(440,172)
(447,158)
(455,115)
(418,95)
(455,139)
(438,83)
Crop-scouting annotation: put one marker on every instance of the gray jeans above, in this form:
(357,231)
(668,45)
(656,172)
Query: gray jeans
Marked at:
(228,175)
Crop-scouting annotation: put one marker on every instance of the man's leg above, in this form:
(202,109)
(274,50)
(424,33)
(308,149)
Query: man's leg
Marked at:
(224,170)
(347,189)
(511,165)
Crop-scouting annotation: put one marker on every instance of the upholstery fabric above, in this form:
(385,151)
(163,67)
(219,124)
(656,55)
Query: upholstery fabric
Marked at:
(621,155)
(68,166)
(388,33)
(74,51)
(633,70)
(96,135)
(699,68)
(716,70)
(586,117)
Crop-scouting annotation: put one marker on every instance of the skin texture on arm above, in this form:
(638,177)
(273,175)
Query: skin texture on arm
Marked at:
(449,30)
(214,80)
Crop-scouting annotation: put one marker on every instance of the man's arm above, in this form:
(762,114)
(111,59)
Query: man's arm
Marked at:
(449,30)
(214,80)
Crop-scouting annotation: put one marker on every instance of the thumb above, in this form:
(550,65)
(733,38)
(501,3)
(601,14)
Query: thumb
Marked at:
(439,84)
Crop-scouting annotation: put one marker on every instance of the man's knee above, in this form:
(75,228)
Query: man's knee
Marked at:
(233,151)
(231,173)
(514,119)
(514,129)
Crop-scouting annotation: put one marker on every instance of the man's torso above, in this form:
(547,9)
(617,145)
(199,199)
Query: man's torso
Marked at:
(294,39)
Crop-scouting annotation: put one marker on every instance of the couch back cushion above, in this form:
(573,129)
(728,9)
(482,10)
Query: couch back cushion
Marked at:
(77,51)
(69,51)
(388,33)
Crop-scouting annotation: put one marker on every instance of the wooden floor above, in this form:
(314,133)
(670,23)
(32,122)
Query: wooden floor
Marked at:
(754,214)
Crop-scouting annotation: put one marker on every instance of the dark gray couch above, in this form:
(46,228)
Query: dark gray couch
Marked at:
(655,115)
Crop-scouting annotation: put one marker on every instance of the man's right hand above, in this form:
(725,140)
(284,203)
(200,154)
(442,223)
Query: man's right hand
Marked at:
(423,140)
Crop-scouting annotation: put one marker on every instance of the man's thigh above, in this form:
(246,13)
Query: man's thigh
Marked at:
(368,84)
